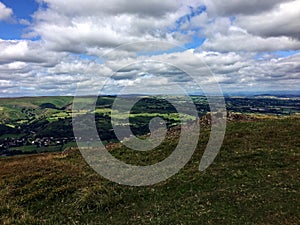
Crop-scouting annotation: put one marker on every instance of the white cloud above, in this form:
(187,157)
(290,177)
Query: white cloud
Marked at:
(224,35)
(237,40)
(27,51)
(235,31)
(154,8)
(5,12)
(283,20)
(240,7)
(75,27)
(232,70)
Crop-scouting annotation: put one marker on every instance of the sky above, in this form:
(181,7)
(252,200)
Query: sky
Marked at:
(54,47)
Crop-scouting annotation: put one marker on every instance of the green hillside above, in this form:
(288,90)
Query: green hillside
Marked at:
(254,180)
(35,102)
(25,109)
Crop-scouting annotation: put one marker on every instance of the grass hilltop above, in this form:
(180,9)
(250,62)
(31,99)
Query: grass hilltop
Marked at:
(254,180)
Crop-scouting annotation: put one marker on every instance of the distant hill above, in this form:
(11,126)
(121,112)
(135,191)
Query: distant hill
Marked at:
(23,110)
(34,102)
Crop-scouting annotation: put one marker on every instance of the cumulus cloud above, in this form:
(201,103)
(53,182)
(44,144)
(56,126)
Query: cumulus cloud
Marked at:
(5,12)
(233,71)
(95,27)
(225,34)
(27,51)
(75,27)
(240,7)
(154,8)
(70,32)
(283,20)
(240,40)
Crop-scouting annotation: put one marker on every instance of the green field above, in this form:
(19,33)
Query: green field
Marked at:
(254,180)
(22,110)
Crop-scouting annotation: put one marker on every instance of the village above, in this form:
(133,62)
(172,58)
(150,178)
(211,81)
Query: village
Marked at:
(28,145)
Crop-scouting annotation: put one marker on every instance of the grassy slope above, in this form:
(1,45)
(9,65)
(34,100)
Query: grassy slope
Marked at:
(10,108)
(254,180)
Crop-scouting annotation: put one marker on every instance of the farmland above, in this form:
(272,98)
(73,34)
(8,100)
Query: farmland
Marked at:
(42,124)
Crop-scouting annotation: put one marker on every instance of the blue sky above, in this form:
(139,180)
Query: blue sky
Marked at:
(49,47)
(13,29)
